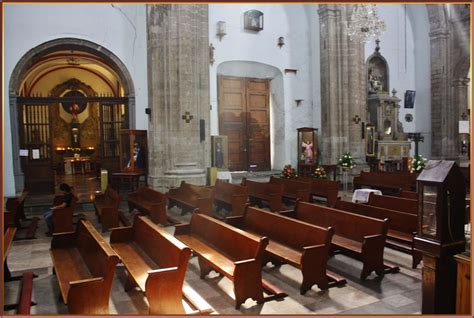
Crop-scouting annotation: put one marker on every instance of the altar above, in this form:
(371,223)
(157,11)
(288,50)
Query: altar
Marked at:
(77,165)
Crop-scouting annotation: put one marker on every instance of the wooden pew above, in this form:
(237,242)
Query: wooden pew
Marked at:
(302,245)
(190,197)
(325,188)
(409,195)
(156,262)
(8,237)
(395,203)
(388,182)
(358,236)
(15,208)
(84,265)
(151,202)
(229,251)
(62,218)
(402,226)
(106,208)
(230,196)
(265,192)
(293,189)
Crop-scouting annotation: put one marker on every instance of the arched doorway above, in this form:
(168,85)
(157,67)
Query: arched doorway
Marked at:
(250,108)
(68,97)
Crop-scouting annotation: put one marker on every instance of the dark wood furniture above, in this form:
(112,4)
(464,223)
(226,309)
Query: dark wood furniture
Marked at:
(463,286)
(14,210)
(151,202)
(190,197)
(307,150)
(408,195)
(106,208)
(358,236)
(387,182)
(62,218)
(395,203)
(156,262)
(265,192)
(293,189)
(401,226)
(230,251)
(126,180)
(230,196)
(324,188)
(8,237)
(84,265)
(302,245)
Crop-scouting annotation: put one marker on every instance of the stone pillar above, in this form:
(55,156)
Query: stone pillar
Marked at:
(461,100)
(343,86)
(442,112)
(178,83)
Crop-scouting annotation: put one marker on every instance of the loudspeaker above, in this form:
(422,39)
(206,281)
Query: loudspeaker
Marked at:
(148,111)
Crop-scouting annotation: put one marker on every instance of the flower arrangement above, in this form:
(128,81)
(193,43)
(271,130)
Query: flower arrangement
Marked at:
(417,163)
(320,173)
(346,161)
(288,172)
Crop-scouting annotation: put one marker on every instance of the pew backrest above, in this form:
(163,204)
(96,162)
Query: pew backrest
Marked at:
(396,203)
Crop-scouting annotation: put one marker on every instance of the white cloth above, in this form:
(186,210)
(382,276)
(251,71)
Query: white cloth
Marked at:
(362,195)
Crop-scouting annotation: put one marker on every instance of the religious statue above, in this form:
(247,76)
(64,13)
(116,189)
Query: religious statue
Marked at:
(308,150)
(74,112)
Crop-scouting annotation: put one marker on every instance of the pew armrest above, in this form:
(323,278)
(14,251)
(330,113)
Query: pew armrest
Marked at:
(182,229)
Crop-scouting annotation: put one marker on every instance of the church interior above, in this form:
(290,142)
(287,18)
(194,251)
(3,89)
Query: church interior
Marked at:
(249,158)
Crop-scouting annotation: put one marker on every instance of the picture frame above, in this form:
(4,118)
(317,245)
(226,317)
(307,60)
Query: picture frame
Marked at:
(219,150)
(410,99)
(370,141)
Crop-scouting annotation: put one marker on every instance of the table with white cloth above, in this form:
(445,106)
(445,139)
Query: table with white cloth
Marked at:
(362,195)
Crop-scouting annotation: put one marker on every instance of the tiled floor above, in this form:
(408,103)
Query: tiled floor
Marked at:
(391,294)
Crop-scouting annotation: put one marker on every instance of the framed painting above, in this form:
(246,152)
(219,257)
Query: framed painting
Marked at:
(219,152)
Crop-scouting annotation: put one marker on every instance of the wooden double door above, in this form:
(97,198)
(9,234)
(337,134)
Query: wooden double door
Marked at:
(244,117)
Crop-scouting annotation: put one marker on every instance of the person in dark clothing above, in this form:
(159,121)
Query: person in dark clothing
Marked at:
(68,196)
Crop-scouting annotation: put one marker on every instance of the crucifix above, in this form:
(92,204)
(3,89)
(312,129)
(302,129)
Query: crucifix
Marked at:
(416,137)
(187,117)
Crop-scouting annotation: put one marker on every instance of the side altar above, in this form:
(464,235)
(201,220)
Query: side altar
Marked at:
(385,138)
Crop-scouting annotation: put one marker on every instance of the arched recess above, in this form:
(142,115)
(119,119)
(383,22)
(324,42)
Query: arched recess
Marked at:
(36,56)
(250,69)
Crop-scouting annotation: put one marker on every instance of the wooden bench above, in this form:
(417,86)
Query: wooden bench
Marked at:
(402,226)
(8,236)
(293,189)
(388,182)
(409,195)
(302,245)
(230,196)
(156,262)
(325,188)
(357,236)
(230,251)
(84,265)
(106,207)
(190,197)
(14,210)
(150,202)
(62,218)
(23,306)
(395,203)
(264,192)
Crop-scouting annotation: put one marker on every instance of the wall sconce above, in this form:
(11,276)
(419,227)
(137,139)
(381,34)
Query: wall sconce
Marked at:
(220,29)
(281,41)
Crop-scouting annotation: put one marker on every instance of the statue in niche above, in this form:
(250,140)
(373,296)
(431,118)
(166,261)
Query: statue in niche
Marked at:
(374,84)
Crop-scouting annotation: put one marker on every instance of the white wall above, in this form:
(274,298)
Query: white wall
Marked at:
(406,47)
(290,21)
(120,28)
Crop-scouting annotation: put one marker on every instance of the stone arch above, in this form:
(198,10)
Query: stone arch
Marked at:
(277,100)
(22,68)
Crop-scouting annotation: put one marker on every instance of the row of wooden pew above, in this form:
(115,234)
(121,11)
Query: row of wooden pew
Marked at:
(236,247)
(231,196)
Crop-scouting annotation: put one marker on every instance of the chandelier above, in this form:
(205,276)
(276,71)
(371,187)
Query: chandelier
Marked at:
(365,23)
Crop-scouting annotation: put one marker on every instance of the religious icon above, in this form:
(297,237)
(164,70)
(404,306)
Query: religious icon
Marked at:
(308,151)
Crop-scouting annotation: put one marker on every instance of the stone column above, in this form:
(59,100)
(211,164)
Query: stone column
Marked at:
(442,112)
(343,90)
(461,100)
(178,83)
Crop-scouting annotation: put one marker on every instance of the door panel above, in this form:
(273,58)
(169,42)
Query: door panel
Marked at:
(244,119)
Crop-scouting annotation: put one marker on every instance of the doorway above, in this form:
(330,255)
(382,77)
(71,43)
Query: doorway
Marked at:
(244,117)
